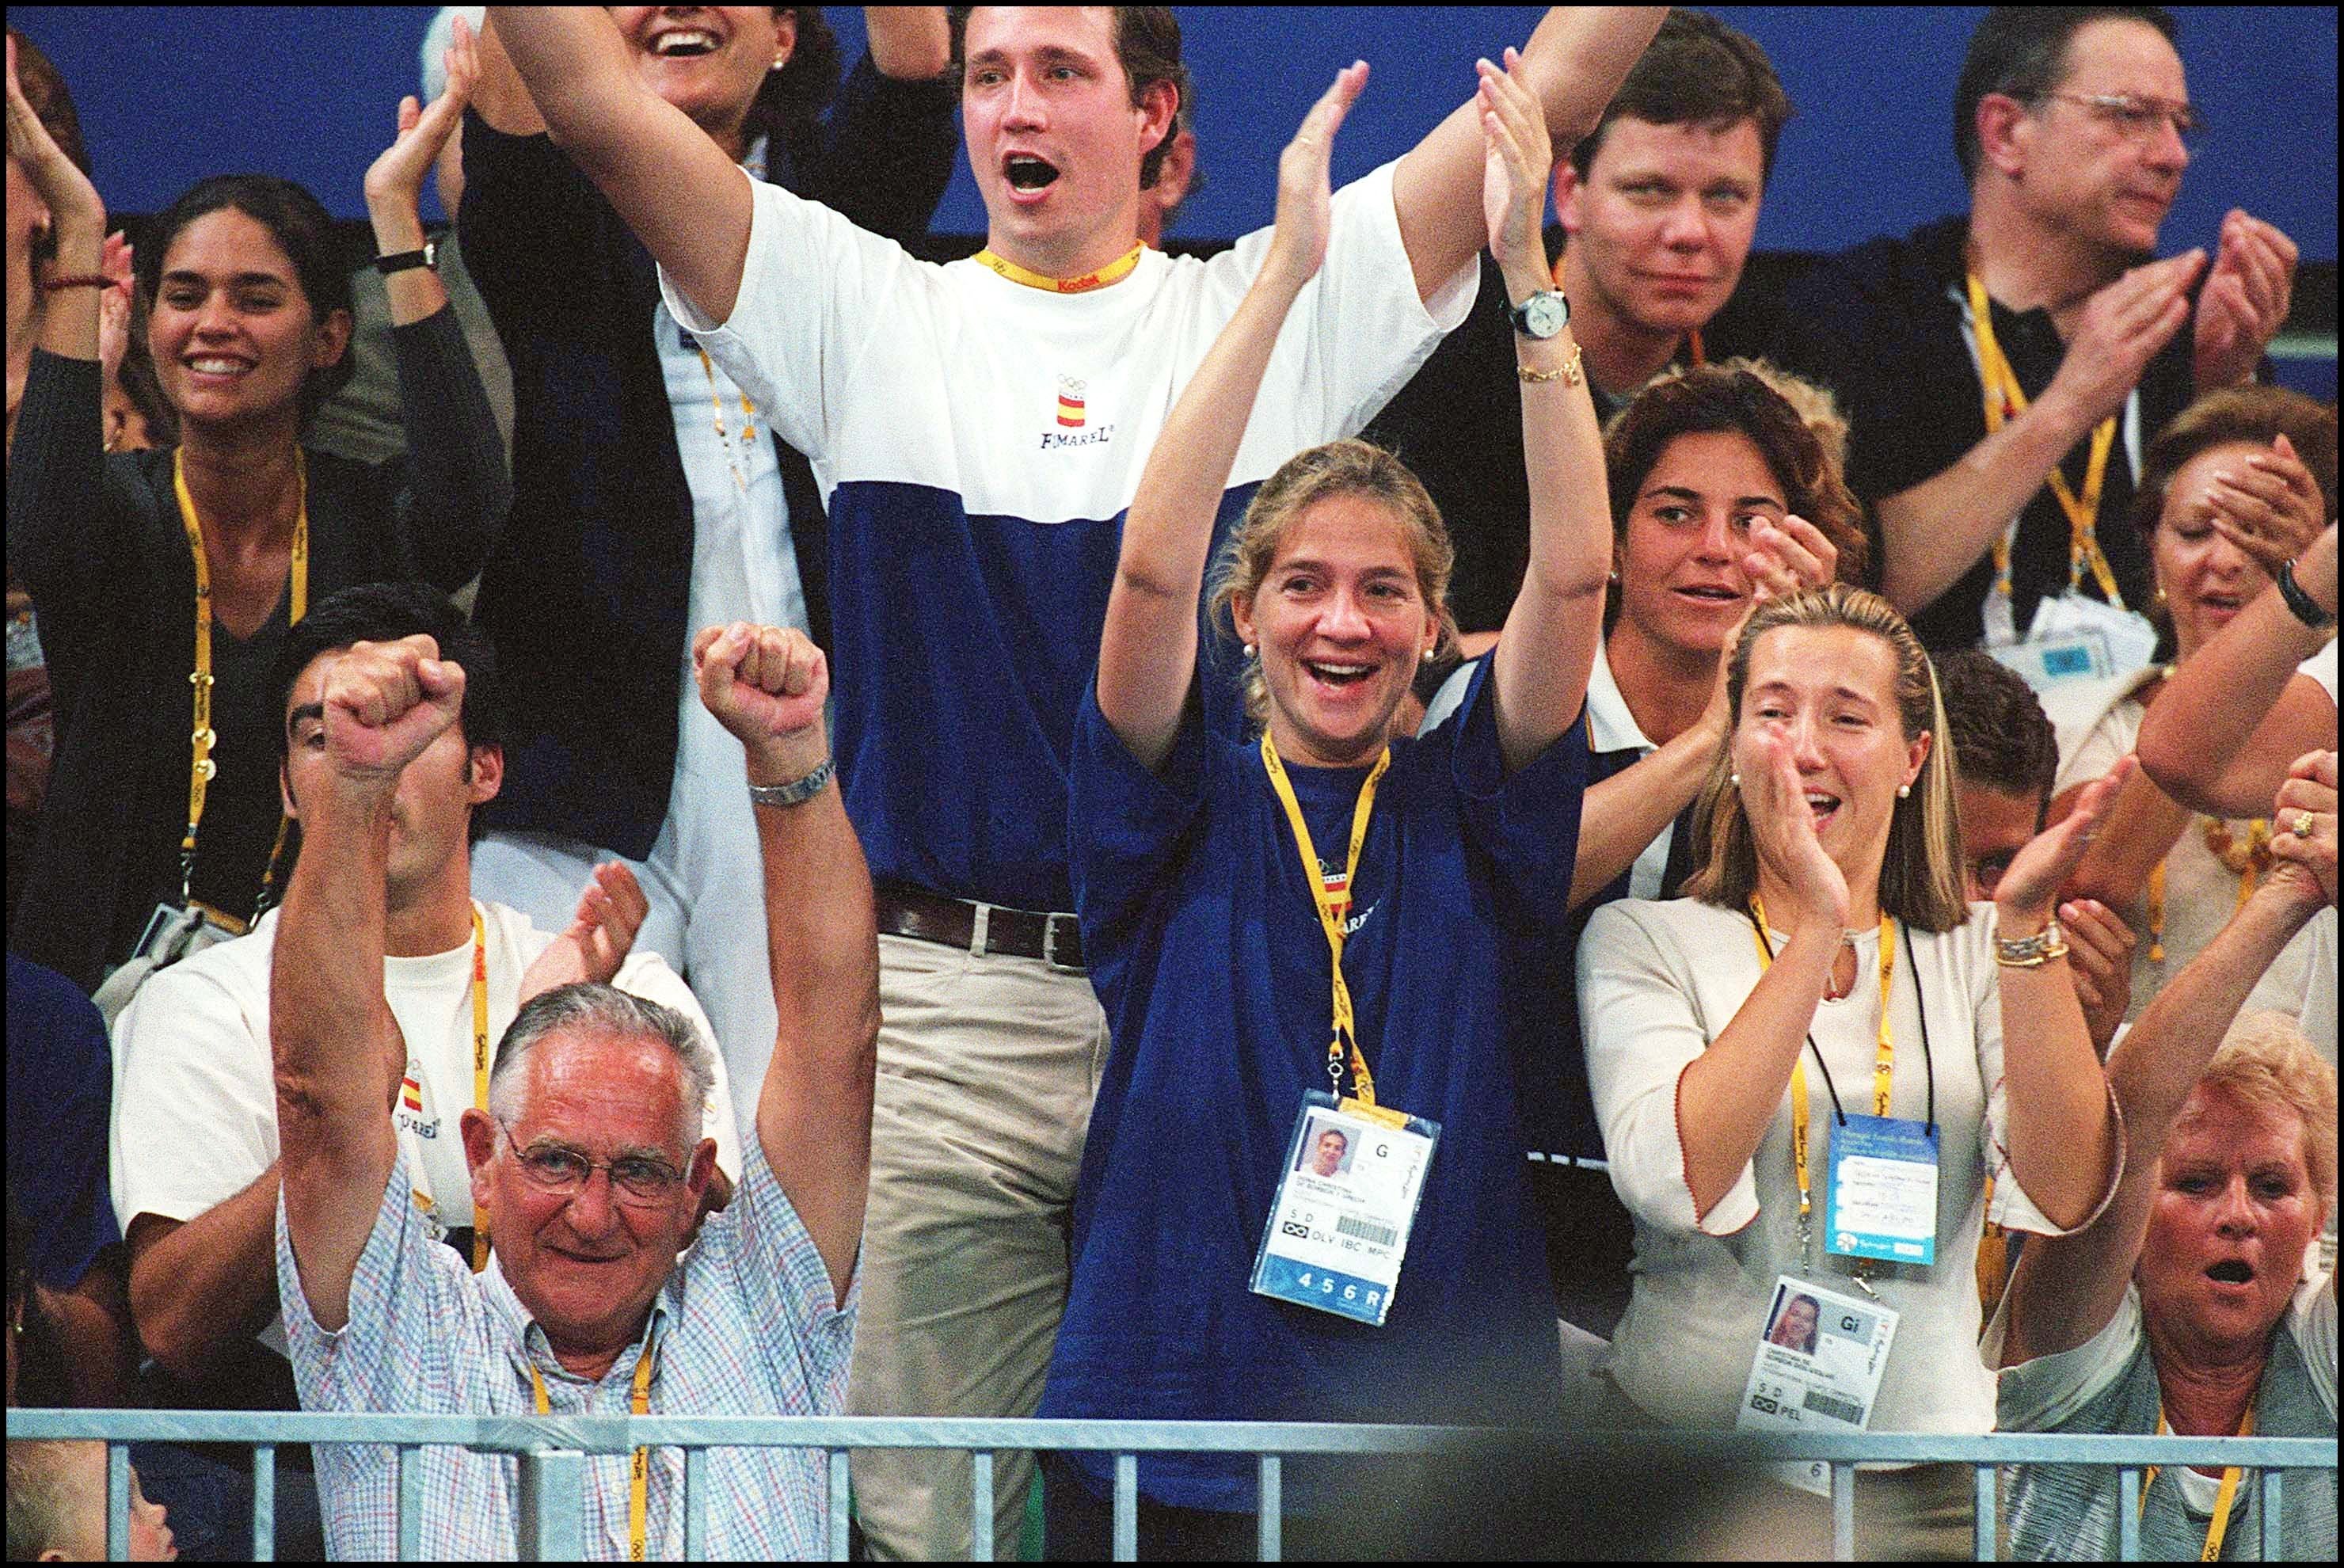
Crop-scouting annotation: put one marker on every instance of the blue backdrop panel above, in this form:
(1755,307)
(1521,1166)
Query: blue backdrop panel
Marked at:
(168,94)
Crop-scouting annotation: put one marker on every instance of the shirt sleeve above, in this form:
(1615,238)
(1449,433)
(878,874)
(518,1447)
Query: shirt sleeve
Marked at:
(1127,824)
(60,1079)
(73,512)
(194,1112)
(2321,667)
(416,1317)
(886,154)
(2313,1319)
(813,289)
(545,248)
(1638,1018)
(1528,823)
(453,487)
(2046,1393)
(646,975)
(787,1284)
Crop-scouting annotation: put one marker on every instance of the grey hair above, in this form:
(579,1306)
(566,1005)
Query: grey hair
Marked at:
(436,41)
(596,1009)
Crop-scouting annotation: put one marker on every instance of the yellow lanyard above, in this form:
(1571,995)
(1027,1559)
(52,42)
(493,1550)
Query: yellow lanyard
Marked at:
(1884,1060)
(640,1472)
(201,770)
(2220,1523)
(2005,401)
(2258,855)
(1332,908)
(480,1069)
(1113,272)
(724,436)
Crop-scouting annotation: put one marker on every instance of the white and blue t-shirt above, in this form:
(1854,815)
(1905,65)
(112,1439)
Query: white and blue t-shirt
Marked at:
(1206,948)
(977,442)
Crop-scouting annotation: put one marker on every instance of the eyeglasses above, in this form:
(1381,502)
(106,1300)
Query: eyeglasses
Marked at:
(635,1178)
(2139,118)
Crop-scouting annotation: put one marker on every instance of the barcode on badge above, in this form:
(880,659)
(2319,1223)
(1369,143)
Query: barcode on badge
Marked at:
(1365,1230)
(1838,1409)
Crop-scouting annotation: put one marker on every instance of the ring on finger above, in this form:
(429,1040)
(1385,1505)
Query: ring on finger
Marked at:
(2304,822)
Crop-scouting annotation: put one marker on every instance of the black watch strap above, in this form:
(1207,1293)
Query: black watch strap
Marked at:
(2302,605)
(399,261)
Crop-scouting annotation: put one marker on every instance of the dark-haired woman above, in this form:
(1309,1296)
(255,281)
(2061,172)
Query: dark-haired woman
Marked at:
(651,494)
(165,579)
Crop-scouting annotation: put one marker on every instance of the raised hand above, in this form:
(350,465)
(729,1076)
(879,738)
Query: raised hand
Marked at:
(2120,328)
(56,178)
(2245,301)
(385,703)
(2099,946)
(765,684)
(2269,506)
(1305,190)
(1782,830)
(115,261)
(1787,559)
(1517,158)
(611,912)
(396,177)
(2303,821)
(2029,889)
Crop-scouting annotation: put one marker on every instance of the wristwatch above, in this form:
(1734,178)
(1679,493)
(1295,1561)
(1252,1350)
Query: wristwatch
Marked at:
(2300,605)
(399,261)
(1543,315)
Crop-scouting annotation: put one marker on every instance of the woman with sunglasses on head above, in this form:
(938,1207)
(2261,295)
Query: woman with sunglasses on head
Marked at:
(1824,949)
(1215,879)
(166,580)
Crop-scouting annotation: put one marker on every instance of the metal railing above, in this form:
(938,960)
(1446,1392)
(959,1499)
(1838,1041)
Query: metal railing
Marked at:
(551,1453)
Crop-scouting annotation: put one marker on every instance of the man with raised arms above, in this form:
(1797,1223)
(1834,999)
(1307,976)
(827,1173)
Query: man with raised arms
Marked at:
(590,1161)
(978,431)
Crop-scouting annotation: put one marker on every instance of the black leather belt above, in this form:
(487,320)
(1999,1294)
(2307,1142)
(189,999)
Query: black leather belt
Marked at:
(979,928)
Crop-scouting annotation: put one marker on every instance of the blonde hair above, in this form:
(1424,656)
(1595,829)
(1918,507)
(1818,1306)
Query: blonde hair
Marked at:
(1921,874)
(48,1504)
(2267,1065)
(1349,467)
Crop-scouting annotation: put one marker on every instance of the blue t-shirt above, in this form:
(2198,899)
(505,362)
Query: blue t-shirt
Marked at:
(60,1089)
(1207,954)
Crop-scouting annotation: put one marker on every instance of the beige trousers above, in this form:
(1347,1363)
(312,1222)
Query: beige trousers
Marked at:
(987,1068)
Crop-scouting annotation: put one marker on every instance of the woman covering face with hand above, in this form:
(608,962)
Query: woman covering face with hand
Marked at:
(1320,910)
(1823,990)
(169,577)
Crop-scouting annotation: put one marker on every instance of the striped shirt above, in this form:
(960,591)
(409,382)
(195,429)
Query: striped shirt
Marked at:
(746,1325)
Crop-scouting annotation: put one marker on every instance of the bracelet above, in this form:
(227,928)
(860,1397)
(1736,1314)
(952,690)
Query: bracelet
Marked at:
(2302,605)
(797,792)
(2031,952)
(77,280)
(1567,371)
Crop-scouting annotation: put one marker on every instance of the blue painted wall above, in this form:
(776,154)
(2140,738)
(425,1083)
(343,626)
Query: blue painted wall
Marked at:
(170,94)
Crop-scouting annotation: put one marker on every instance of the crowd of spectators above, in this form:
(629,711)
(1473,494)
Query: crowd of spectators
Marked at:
(1329,829)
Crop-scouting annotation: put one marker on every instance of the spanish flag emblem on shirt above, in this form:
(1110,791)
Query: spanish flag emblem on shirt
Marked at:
(411,1094)
(1070,402)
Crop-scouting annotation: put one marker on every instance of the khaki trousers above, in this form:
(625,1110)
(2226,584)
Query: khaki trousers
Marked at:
(987,1068)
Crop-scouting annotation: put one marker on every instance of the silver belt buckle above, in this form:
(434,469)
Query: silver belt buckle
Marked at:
(979,928)
(1050,946)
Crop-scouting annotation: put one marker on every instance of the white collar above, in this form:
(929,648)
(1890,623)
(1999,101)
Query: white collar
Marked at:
(1611,727)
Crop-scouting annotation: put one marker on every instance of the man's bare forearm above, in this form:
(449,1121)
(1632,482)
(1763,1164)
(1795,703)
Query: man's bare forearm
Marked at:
(201,1287)
(1932,533)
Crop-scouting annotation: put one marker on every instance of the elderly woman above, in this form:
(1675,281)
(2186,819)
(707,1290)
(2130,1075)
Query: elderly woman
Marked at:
(1824,950)
(2188,1305)
(2261,459)
(1216,878)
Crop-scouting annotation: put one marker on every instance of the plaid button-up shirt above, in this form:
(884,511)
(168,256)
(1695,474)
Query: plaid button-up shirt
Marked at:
(746,1325)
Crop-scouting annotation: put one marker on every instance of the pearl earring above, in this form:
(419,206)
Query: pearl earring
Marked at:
(1904,792)
(1734,780)
(1248,649)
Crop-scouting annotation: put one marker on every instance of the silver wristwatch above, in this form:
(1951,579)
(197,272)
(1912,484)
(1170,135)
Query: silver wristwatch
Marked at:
(1543,315)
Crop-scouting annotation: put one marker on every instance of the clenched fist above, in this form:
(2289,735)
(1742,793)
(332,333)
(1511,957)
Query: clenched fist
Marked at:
(385,701)
(766,684)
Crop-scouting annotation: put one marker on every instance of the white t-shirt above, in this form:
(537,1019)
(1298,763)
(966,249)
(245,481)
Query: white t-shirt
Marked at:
(2201,893)
(1657,982)
(194,1097)
(2319,985)
(977,442)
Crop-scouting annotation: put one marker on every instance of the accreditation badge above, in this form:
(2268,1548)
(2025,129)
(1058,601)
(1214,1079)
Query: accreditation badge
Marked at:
(1820,1357)
(1882,1197)
(1346,1201)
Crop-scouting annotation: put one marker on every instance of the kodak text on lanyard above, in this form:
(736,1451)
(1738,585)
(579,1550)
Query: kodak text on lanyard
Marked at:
(1883,1062)
(1333,909)
(2005,400)
(480,1069)
(202,770)
(639,1472)
(1113,272)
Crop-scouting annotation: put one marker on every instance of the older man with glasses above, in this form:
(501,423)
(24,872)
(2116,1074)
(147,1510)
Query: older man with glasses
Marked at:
(2004,370)
(588,1163)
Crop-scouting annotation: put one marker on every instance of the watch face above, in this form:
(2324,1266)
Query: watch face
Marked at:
(1544,315)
